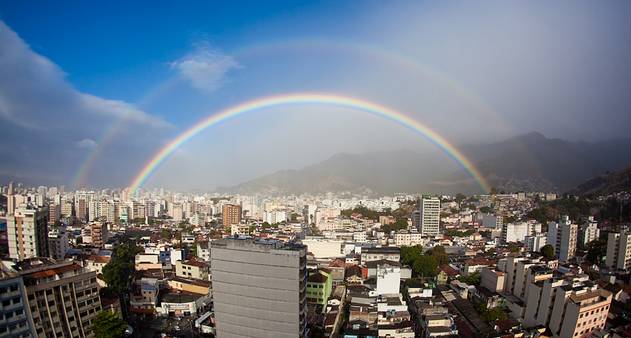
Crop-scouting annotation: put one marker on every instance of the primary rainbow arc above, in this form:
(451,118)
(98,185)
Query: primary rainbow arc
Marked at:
(309,98)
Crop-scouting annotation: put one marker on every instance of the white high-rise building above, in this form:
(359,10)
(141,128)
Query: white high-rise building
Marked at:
(566,238)
(589,232)
(429,216)
(618,250)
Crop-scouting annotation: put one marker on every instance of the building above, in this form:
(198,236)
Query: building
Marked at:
(230,214)
(59,298)
(259,288)
(58,243)
(563,236)
(192,269)
(319,287)
(588,232)
(492,280)
(429,209)
(27,232)
(99,234)
(388,279)
(535,243)
(618,250)
(388,253)
(577,312)
(14,319)
(517,232)
(566,239)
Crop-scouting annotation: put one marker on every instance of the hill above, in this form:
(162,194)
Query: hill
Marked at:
(529,162)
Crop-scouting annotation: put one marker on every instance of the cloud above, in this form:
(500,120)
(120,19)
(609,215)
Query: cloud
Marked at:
(34,93)
(44,119)
(86,143)
(205,67)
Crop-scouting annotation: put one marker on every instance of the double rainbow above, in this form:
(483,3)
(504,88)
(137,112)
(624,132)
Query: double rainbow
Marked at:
(309,98)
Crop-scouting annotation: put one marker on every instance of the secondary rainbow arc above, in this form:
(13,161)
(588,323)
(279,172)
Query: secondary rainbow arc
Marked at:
(309,98)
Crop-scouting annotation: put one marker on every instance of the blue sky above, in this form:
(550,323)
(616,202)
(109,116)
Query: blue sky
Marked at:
(475,72)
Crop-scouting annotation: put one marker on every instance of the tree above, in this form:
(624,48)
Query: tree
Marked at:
(547,251)
(400,224)
(166,234)
(491,315)
(108,325)
(472,279)
(596,250)
(438,252)
(425,266)
(486,210)
(118,271)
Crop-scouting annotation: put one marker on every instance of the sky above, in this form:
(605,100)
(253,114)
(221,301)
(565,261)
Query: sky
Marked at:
(90,91)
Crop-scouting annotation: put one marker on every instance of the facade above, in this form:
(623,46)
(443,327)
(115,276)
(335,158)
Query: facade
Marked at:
(319,287)
(429,216)
(564,237)
(58,243)
(618,250)
(14,318)
(27,232)
(517,232)
(567,238)
(230,214)
(588,232)
(259,288)
(52,298)
(383,253)
(192,269)
(535,243)
(577,313)
(99,233)
(492,280)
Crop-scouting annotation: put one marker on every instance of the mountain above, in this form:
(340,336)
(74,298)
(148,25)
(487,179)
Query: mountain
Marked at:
(609,183)
(530,162)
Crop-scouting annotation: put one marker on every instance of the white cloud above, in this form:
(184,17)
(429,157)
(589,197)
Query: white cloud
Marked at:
(205,67)
(34,93)
(86,143)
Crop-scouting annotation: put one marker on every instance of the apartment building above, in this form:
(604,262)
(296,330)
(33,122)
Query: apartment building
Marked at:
(99,234)
(429,209)
(192,269)
(618,250)
(50,298)
(230,214)
(259,288)
(27,232)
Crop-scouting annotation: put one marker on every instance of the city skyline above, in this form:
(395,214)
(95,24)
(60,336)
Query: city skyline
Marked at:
(95,113)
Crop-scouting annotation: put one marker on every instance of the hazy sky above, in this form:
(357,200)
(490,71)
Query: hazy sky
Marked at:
(88,92)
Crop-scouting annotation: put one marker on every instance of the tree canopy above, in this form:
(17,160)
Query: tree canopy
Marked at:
(547,251)
(108,325)
(118,271)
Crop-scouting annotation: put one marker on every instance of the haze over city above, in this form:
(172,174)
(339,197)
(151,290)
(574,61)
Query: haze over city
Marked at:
(89,92)
(324,169)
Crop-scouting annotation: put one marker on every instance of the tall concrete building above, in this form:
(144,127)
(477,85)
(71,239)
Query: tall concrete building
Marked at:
(231,214)
(429,208)
(99,233)
(259,288)
(571,306)
(58,243)
(48,298)
(27,232)
(588,232)
(564,237)
(618,250)
(10,199)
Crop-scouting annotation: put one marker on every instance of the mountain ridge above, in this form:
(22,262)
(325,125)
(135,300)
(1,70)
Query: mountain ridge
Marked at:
(526,162)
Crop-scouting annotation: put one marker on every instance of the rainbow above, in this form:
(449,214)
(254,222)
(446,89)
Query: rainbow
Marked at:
(308,98)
